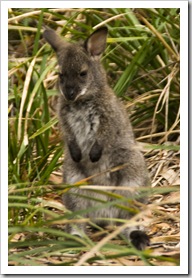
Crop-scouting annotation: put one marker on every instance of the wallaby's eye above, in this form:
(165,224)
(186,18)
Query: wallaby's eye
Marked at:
(61,76)
(83,73)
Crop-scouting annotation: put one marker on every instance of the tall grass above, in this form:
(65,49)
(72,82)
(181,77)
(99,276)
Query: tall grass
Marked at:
(142,63)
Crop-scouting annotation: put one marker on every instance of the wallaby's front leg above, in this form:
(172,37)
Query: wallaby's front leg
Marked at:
(75,151)
(95,152)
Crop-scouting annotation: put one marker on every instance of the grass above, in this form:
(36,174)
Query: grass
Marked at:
(142,63)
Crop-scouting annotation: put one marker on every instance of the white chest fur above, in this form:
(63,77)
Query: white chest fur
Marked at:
(84,124)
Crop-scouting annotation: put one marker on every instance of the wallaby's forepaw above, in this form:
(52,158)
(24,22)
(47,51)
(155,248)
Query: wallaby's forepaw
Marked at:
(75,151)
(139,239)
(95,152)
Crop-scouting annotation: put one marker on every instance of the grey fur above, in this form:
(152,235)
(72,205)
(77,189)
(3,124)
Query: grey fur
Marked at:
(96,130)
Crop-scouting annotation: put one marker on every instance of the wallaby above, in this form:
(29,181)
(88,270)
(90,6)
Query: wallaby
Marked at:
(97,133)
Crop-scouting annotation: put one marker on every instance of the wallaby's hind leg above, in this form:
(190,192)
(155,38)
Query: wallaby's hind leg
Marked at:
(135,234)
(73,203)
(132,176)
(72,174)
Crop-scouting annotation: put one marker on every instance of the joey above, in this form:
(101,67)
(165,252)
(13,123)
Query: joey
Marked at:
(97,134)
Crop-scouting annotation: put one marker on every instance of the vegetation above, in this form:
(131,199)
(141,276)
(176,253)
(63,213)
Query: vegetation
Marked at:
(142,62)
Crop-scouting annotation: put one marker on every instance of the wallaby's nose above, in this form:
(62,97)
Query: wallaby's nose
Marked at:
(70,93)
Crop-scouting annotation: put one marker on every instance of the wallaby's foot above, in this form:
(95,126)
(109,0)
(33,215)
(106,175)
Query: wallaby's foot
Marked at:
(77,233)
(76,230)
(139,239)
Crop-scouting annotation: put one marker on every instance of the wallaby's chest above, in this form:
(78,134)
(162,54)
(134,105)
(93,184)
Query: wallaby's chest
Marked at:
(84,123)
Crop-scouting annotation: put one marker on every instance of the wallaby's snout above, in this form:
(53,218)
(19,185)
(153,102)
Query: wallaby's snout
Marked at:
(68,90)
(70,93)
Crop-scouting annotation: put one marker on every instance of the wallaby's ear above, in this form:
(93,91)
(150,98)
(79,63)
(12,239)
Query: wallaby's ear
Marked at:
(53,39)
(96,42)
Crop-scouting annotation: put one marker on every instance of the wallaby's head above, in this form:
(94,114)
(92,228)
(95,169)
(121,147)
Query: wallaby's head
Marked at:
(81,73)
